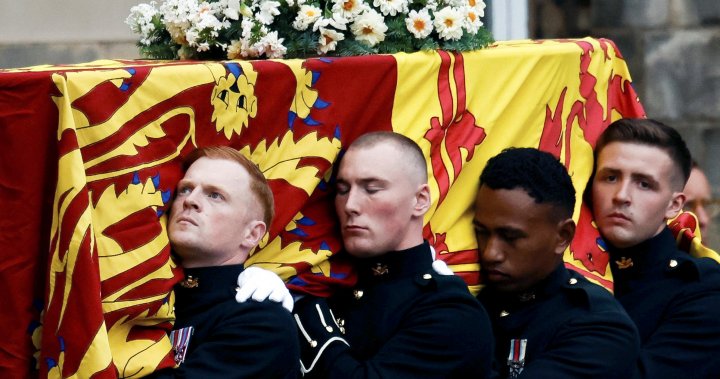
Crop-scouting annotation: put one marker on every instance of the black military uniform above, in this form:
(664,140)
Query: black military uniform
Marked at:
(230,339)
(401,320)
(674,300)
(565,327)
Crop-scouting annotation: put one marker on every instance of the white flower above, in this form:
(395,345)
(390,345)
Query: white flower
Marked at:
(369,28)
(419,23)
(337,22)
(347,8)
(229,8)
(272,46)
(449,22)
(141,20)
(391,7)
(307,15)
(233,51)
(328,40)
(267,12)
(472,20)
(204,46)
(478,5)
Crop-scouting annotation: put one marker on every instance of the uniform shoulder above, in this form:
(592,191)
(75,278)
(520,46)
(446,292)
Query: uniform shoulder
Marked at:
(692,269)
(269,311)
(590,295)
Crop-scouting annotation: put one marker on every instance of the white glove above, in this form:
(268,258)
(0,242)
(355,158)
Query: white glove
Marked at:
(442,268)
(260,284)
(438,265)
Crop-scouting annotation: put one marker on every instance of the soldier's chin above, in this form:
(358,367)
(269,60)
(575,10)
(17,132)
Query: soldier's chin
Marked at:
(359,250)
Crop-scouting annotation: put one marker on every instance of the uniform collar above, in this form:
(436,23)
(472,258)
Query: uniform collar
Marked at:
(214,285)
(209,279)
(547,287)
(644,256)
(396,264)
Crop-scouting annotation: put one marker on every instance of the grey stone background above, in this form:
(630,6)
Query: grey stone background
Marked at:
(671,46)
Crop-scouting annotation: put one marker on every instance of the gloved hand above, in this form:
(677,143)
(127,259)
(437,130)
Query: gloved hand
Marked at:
(320,334)
(260,284)
(438,265)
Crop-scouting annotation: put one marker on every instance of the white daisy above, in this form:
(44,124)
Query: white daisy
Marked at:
(479,6)
(419,23)
(369,28)
(328,40)
(391,7)
(449,22)
(347,8)
(307,15)
(472,20)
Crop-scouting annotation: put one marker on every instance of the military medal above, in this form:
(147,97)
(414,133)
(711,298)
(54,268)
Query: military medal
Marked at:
(180,339)
(516,358)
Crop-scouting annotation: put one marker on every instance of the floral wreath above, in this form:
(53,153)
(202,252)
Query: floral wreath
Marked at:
(233,29)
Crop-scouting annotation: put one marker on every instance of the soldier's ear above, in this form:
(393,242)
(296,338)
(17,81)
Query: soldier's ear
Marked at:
(422,200)
(675,205)
(253,233)
(565,234)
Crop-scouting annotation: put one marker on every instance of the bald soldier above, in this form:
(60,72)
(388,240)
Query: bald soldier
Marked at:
(401,319)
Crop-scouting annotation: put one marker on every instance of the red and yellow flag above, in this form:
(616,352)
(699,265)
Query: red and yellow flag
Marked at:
(94,155)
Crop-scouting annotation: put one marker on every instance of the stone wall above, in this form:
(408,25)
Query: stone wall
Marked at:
(69,31)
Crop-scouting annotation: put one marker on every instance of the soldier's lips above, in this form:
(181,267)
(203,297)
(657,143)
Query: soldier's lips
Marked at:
(354,229)
(495,275)
(618,217)
(185,220)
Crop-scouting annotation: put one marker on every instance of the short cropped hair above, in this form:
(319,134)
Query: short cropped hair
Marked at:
(411,151)
(651,133)
(258,184)
(538,173)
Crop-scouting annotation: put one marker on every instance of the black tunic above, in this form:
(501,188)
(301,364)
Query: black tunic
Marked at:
(674,299)
(571,327)
(402,320)
(232,340)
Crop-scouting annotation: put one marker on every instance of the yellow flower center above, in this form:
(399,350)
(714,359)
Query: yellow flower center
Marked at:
(349,5)
(472,16)
(449,22)
(419,25)
(472,3)
(367,30)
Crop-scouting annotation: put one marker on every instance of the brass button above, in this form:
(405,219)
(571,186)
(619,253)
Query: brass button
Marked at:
(673,263)
(427,276)
(573,281)
(358,294)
